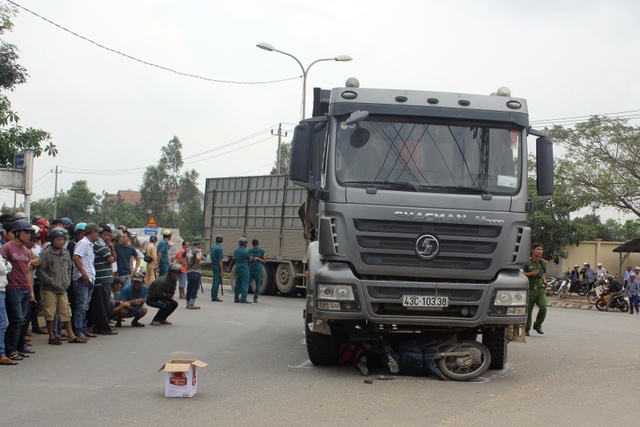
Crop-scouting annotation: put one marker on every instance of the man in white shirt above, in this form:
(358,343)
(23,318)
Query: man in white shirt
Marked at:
(84,274)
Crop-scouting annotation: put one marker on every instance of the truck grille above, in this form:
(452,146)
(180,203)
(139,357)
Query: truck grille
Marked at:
(462,246)
(468,299)
(401,260)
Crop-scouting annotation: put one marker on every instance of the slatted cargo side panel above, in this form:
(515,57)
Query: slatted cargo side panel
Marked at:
(258,207)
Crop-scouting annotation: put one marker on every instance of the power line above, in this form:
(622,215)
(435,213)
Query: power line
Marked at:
(630,114)
(150,63)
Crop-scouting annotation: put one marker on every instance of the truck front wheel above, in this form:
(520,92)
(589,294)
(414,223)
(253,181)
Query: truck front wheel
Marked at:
(496,341)
(322,349)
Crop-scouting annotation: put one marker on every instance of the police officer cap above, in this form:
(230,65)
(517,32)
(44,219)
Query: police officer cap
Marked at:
(242,241)
(166,232)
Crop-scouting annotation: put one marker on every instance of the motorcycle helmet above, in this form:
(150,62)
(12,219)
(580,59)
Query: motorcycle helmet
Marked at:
(175,267)
(20,215)
(58,232)
(139,277)
(242,241)
(21,225)
(219,238)
(66,221)
(79,226)
(166,232)
(153,239)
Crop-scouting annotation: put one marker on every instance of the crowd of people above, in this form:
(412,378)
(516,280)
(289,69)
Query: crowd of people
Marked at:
(629,287)
(84,279)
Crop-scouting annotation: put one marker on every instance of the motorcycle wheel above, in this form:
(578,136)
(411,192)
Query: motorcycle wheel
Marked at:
(563,293)
(624,306)
(592,297)
(472,364)
(582,290)
(600,305)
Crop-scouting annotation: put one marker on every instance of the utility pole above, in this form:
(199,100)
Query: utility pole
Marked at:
(55,195)
(280,135)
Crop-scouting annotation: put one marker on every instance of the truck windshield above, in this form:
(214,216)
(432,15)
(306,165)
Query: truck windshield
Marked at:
(429,156)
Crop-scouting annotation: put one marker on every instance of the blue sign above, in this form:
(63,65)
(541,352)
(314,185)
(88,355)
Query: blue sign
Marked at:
(19,161)
(151,231)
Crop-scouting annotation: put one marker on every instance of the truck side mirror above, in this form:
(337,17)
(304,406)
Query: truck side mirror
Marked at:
(301,154)
(544,166)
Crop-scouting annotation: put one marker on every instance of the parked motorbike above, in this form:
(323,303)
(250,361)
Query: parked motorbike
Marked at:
(580,288)
(619,301)
(552,285)
(595,293)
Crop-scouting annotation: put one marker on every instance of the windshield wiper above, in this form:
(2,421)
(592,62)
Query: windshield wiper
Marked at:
(457,188)
(386,185)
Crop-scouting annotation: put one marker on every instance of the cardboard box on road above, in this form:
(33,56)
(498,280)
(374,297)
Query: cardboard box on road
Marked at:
(180,377)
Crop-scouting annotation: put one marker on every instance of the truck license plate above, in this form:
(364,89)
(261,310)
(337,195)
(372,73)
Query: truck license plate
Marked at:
(424,301)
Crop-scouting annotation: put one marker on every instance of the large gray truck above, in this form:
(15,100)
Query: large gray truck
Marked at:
(264,208)
(416,210)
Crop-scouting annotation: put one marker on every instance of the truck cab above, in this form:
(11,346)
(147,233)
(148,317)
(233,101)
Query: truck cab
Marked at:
(419,204)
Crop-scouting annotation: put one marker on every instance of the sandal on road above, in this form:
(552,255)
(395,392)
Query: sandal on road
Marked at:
(77,340)
(137,324)
(15,356)
(54,341)
(7,361)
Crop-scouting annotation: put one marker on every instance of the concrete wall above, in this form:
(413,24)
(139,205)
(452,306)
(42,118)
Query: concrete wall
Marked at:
(594,252)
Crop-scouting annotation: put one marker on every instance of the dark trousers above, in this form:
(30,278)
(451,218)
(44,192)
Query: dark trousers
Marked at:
(193,284)
(101,308)
(18,303)
(165,307)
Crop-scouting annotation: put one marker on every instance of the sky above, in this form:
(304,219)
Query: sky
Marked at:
(109,115)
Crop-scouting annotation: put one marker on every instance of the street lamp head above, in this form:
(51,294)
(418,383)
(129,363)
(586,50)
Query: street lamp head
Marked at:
(342,58)
(266,46)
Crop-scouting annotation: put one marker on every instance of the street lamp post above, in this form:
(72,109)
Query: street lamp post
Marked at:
(305,71)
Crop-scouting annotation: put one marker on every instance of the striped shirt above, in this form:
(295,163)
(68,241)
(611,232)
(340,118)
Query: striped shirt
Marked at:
(104,272)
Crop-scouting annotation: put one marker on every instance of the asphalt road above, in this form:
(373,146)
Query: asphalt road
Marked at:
(584,366)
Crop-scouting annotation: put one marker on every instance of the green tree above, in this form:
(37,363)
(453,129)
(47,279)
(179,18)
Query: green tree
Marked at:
(42,208)
(602,162)
(79,203)
(170,194)
(550,220)
(116,212)
(14,138)
(285,160)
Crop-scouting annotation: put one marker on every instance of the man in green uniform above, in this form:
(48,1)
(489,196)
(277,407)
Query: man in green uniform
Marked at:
(536,272)
(258,258)
(241,257)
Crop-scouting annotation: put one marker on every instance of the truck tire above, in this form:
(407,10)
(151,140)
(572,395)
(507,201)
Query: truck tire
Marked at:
(322,349)
(497,343)
(285,278)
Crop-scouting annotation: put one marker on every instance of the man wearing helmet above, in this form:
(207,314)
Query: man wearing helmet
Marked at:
(241,257)
(55,276)
(163,253)
(19,291)
(160,295)
(216,265)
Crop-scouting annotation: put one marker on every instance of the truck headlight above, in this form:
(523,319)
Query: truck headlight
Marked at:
(510,298)
(336,292)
